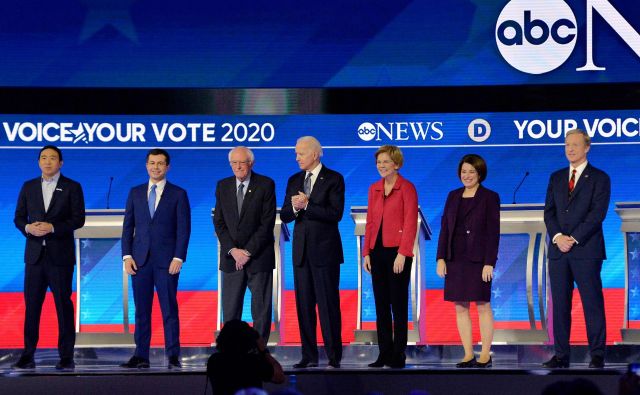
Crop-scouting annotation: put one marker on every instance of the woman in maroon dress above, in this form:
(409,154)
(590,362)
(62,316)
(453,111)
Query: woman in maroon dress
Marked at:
(467,254)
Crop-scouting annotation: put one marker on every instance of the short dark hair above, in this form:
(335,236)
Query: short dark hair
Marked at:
(53,147)
(477,162)
(159,151)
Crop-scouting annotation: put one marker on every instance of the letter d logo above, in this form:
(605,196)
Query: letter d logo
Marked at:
(479,130)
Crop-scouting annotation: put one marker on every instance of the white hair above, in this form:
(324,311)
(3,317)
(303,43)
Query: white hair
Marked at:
(312,142)
(249,152)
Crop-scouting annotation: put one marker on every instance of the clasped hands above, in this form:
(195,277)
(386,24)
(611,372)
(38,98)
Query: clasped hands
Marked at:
(39,228)
(240,256)
(299,201)
(565,243)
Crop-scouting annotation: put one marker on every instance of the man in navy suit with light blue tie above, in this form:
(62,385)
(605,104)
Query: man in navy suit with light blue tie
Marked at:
(155,237)
(576,205)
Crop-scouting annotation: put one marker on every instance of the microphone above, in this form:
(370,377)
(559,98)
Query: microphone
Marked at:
(526,174)
(109,191)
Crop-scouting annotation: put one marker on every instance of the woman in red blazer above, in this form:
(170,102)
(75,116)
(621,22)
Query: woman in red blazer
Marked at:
(467,253)
(392,219)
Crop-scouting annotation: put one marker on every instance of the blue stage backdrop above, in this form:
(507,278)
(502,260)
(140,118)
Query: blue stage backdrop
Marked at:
(99,147)
(308,43)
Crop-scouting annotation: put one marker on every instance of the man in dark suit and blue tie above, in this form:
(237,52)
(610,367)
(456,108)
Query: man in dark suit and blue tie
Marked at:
(244,218)
(155,237)
(315,201)
(49,209)
(576,205)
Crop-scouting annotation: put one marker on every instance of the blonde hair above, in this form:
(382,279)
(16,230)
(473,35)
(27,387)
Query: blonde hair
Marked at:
(394,153)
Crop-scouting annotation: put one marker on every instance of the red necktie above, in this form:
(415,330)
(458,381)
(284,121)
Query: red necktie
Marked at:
(572,181)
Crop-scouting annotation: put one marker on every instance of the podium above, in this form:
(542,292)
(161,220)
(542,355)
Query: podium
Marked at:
(522,246)
(416,286)
(99,267)
(629,213)
(281,235)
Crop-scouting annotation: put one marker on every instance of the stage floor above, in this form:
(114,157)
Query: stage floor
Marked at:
(430,369)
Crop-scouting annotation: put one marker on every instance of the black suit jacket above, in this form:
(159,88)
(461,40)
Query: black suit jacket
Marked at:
(66,214)
(316,228)
(579,215)
(253,229)
(482,220)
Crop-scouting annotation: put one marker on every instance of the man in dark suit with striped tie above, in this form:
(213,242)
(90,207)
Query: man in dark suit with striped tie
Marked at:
(576,205)
(315,201)
(244,218)
(50,208)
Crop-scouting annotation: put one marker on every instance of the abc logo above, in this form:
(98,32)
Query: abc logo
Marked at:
(367,131)
(479,130)
(536,37)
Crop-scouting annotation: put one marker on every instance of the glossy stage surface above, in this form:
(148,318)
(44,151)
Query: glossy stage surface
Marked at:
(430,369)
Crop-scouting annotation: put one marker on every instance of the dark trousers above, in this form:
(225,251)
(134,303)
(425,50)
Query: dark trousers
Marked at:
(318,285)
(390,291)
(586,273)
(234,286)
(166,286)
(37,278)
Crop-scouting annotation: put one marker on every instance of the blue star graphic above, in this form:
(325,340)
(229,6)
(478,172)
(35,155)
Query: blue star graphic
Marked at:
(497,311)
(85,243)
(366,294)
(633,313)
(497,293)
(634,236)
(103,13)
(634,292)
(634,254)
(635,273)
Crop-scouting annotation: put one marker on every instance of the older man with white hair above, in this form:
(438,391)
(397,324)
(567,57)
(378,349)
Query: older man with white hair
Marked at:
(315,201)
(244,218)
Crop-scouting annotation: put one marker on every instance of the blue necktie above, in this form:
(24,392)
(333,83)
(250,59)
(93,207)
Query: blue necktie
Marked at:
(240,197)
(152,200)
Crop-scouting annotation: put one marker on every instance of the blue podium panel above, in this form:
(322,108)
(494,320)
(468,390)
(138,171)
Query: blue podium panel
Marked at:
(101,282)
(633,259)
(509,288)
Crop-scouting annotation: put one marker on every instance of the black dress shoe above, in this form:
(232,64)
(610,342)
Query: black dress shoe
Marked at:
(380,362)
(398,361)
(305,363)
(136,363)
(556,362)
(333,364)
(24,363)
(174,363)
(487,364)
(467,364)
(66,364)
(597,362)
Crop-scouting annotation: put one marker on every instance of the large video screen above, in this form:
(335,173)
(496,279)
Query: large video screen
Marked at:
(307,43)
(98,148)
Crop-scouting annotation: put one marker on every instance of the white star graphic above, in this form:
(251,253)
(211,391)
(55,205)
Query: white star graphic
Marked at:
(497,293)
(634,254)
(634,292)
(633,312)
(635,236)
(103,13)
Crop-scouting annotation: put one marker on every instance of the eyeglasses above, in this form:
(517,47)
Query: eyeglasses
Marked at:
(239,162)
